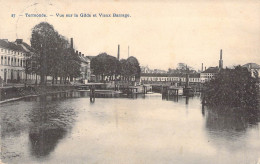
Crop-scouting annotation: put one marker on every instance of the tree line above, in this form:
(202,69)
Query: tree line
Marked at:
(105,65)
(52,55)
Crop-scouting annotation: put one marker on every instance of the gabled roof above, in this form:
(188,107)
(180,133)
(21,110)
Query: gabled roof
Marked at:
(251,66)
(23,47)
(9,45)
(211,70)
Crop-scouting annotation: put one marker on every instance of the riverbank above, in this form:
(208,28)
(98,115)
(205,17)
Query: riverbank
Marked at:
(9,94)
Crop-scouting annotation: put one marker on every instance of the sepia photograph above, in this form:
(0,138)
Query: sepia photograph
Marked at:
(129,82)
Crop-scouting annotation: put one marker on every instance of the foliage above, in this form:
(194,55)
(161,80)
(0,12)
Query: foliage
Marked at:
(232,87)
(133,67)
(52,55)
(181,69)
(107,65)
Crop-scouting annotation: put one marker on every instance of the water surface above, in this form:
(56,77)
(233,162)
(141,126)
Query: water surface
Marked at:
(142,129)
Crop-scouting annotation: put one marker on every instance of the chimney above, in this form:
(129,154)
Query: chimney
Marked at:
(220,61)
(79,53)
(71,43)
(83,55)
(205,68)
(118,52)
(19,41)
(201,67)
(220,54)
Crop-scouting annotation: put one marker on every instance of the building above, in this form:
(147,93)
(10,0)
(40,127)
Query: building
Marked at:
(208,74)
(85,71)
(13,60)
(253,68)
(211,72)
(172,78)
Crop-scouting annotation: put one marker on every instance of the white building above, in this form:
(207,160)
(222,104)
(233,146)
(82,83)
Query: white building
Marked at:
(13,60)
(208,74)
(150,77)
(85,71)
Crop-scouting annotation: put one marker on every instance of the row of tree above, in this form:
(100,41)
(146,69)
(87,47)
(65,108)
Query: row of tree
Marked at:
(52,55)
(109,66)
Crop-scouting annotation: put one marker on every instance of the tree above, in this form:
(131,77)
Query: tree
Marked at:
(232,87)
(125,69)
(107,65)
(98,65)
(134,65)
(53,57)
(44,41)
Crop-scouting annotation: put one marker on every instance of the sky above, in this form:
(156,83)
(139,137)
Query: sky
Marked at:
(159,34)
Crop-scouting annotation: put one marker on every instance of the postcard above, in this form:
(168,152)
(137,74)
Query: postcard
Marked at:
(130,82)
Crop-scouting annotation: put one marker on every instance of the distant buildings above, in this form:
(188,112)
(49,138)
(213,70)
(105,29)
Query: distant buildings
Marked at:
(85,71)
(211,72)
(180,78)
(179,74)
(208,74)
(253,68)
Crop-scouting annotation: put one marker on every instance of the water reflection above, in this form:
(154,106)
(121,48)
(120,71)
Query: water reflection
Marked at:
(43,141)
(229,124)
(49,123)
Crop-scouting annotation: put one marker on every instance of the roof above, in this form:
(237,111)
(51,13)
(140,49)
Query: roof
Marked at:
(251,66)
(23,47)
(211,70)
(84,59)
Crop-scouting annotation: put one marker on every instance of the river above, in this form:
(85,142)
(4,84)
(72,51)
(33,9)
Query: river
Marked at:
(68,128)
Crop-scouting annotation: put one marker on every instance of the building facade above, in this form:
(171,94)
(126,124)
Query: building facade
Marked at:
(150,77)
(13,61)
(85,71)
(208,74)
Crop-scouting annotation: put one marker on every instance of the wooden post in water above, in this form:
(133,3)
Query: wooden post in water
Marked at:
(92,94)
